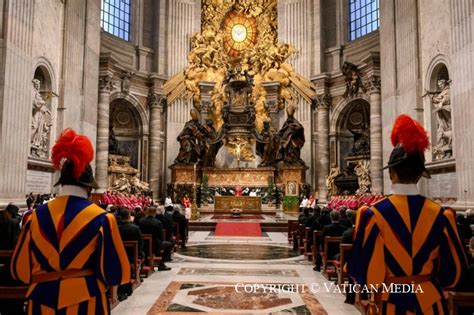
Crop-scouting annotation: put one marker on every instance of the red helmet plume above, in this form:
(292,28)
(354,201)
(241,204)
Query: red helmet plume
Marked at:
(408,133)
(75,148)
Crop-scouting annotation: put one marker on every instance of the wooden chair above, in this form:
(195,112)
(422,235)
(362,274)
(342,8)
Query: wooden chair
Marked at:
(361,303)
(291,228)
(157,259)
(147,263)
(458,300)
(131,247)
(12,292)
(307,249)
(302,238)
(315,248)
(177,238)
(328,268)
(341,274)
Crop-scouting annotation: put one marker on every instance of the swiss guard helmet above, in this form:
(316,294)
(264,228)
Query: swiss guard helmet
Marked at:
(410,141)
(71,155)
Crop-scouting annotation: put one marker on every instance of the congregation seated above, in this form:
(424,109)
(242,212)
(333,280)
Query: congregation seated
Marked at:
(166,220)
(180,219)
(465,231)
(9,228)
(344,219)
(333,229)
(9,232)
(150,225)
(304,216)
(348,238)
(316,213)
(128,232)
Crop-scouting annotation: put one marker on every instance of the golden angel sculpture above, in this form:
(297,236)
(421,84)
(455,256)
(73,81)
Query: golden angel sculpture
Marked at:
(245,33)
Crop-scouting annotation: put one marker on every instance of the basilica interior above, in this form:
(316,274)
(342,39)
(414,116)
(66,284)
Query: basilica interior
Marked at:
(246,114)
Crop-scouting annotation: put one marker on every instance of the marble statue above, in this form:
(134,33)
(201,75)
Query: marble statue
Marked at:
(362,170)
(40,124)
(191,141)
(113,143)
(268,146)
(353,79)
(361,145)
(126,83)
(122,184)
(211,149)
(331,180)
(442,109)
(138,185)
(291,139)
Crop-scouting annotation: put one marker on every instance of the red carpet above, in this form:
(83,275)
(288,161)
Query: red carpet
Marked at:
(242,217)
(238,229)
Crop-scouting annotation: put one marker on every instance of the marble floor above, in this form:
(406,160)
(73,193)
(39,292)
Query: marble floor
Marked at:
(251,275)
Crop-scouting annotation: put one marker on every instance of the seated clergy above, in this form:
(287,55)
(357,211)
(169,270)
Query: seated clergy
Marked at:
(335,229)
(304,216)
(128,232)
(150,225)
(167,223)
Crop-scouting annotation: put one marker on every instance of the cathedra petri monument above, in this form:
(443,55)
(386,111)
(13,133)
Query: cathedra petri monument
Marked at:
(241,147)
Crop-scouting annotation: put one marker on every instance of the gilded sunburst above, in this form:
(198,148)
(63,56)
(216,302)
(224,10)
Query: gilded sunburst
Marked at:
(240,32)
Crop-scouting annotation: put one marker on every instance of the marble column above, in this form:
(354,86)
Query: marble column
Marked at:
(376,158)
(206,88)
(157,105)
(102,149)
(272,88)
(323,104)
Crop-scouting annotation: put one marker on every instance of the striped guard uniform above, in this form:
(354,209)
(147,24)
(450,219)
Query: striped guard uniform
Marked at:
(70,233)
(404,236)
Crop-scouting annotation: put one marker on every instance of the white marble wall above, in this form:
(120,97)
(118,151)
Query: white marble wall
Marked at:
(294,21)
(462,94)
(414,34)
(16,49)
(64,38)
(183,20)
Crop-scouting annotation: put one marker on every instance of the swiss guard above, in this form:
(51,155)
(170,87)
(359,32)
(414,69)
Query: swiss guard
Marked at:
(407,248)
(70,250)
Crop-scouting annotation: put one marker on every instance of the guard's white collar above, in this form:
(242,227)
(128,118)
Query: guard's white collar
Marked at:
(404,189)
(71,190)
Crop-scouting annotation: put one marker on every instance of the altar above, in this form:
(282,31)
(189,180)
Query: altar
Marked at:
(224,204)
(245,177)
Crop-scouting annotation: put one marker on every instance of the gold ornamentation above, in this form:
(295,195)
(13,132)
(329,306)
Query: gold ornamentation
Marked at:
(221,45)
(242,177)
(244,203)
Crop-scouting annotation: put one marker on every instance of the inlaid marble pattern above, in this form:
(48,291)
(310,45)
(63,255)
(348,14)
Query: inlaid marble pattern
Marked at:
(238,272)
(223,298)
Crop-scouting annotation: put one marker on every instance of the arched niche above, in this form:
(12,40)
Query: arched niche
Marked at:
(350,118)
(127,124)
(438,110)
(42,124)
